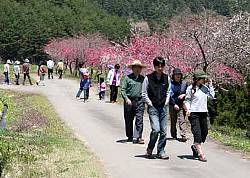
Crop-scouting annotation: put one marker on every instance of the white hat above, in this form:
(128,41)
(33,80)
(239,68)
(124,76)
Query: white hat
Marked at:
(17,62)
(8,61)
(27,60)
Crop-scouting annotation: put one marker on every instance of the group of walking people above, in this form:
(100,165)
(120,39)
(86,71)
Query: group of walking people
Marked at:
(43,68)
(165,95)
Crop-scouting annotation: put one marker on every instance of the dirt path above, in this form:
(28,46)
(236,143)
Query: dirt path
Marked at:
(101,126)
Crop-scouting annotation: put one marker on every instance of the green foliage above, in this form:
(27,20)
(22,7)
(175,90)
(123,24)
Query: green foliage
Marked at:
(232,108)
(26,25)
(156,12)
(233,137)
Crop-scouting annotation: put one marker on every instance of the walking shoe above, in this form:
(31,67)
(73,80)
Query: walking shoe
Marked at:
(130,139)
(149,153)
(139,141)
(162,156)
(195,152)
(183,139)
(202,158)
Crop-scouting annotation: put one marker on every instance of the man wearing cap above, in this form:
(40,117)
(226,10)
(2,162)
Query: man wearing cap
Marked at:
(177,96)
(133,103)
(155,92)
(196,104)
(26,71)
(17,71)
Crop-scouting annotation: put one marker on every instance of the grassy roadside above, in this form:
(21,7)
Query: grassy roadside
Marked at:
(235,138)
(37,144)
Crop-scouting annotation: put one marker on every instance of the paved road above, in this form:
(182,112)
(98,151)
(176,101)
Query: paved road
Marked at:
(100,125)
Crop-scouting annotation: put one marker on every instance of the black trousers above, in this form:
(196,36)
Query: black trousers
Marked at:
(60,72)
(113,93)
(136,110)
(17,78)
(50,73)
(198,121)
(24,78)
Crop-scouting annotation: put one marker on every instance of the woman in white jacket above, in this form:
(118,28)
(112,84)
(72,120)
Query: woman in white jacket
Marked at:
(113,79)
(196,103)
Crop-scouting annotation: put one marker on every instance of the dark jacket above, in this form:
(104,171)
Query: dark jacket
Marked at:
(177,88)
(157,89)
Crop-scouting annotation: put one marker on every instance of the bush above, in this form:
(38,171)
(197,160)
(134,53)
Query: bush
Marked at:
(232,107)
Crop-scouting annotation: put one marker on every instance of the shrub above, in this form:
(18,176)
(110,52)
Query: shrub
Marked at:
(232,107)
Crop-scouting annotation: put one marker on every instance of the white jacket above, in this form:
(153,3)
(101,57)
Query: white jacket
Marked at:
(111,76)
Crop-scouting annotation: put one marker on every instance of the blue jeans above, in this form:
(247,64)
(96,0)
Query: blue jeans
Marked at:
(6,78)
(158,122)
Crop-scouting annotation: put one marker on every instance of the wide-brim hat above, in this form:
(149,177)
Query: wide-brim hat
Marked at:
(8,61)
(200,74)
(136,63)
(17,62)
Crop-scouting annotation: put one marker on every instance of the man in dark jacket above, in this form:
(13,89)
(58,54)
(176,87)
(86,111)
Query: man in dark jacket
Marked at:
(177,96)
(155,92)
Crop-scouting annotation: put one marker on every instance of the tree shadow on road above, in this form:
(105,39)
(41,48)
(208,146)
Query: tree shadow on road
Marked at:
(187,157)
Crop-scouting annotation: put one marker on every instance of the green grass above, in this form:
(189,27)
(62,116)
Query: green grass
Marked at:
(236,138)
(37,144)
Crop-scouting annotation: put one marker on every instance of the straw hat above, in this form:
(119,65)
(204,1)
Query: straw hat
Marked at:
(136,63)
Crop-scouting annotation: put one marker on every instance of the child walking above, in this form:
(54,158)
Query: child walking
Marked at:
(102,88)
(85,84)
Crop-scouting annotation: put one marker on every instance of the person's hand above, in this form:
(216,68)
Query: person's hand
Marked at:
(176,107)
(187,113)
(181,97)
(128,101)
(210,82)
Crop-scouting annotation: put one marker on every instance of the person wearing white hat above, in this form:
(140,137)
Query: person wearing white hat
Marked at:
(26,71)
(133,103)
(17,71)
(6,71)
(85,84)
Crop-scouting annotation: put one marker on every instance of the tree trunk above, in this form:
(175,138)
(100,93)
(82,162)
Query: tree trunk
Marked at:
(70,68)
(76,67)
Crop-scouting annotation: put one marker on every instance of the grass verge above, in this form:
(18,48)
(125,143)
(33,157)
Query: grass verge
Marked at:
(37,144)
(236,138)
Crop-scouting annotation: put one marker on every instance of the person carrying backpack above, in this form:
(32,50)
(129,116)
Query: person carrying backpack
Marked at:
(42,70)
